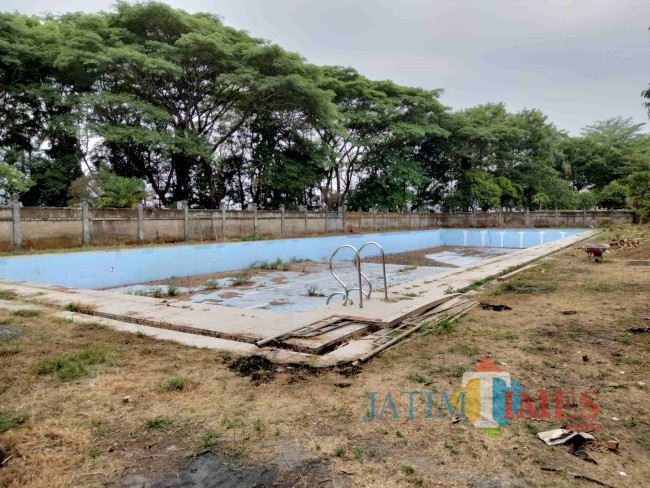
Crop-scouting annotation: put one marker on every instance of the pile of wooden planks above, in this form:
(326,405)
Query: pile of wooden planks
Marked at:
(446,312)
(623,243)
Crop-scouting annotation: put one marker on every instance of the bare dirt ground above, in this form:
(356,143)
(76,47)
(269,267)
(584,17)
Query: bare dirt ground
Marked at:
(84,406)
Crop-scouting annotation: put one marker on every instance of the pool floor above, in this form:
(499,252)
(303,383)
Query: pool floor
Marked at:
(294,291)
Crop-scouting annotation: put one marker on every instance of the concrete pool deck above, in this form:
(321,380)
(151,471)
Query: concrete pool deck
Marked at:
(237,330)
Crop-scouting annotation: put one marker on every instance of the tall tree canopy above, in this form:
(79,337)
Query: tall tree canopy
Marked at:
(199,111)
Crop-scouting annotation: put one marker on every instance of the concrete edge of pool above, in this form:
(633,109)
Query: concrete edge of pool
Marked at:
(237,330)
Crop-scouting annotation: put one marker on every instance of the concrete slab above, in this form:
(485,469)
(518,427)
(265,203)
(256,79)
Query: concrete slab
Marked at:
(186,339)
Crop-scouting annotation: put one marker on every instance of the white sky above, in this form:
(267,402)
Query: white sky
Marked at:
(577,60)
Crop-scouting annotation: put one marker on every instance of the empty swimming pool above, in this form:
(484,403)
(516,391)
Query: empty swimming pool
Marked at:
(269,297)
(105,269)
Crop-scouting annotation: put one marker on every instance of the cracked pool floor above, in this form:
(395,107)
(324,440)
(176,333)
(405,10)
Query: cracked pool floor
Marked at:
(294,291)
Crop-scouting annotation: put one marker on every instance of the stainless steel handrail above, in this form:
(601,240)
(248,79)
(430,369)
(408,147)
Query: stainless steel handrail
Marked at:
(361,276)
(346,290)
(345,296)
(383,264)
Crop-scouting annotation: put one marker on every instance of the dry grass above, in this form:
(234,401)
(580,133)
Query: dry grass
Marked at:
(81,432)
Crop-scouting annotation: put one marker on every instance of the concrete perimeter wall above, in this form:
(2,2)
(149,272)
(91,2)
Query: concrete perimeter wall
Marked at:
(52,228)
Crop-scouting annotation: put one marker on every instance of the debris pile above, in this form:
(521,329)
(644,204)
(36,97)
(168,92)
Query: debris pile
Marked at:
(496,308)
(623,243)
(440,317)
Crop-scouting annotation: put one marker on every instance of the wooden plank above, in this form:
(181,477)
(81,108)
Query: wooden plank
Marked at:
(400,317)
(324,342)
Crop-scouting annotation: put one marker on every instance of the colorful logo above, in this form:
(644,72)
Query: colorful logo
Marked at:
(485,392)
(489,397)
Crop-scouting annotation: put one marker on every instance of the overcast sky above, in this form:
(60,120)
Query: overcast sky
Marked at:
(577,60)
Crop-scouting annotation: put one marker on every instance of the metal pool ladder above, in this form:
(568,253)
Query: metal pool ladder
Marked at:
(361,276)
(383,265)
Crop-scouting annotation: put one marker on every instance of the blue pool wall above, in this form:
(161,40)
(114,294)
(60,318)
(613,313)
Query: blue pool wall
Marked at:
(103,269)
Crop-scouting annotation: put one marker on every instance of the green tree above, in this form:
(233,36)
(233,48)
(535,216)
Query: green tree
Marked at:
(607,150)
(376,119)
(388,184)
(275,164)
(490,134)
(12,182)
(541,199)
(521,147)
(510,197)
(204,112)
(175,89)
(40,101)
(613,195)
(475,190)
(639,191)
(120,192)
(586,200)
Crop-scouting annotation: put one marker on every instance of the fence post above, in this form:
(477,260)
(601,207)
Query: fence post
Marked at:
(18,235)
(186,220)
(281,220)
(306,220)
(85,223)
(556,220)
(343,217)
(374,219)
(387,220)
(410,225)
(584,218)
(140,208)
(255,228)
(527,218)
(223,223)
(326,221)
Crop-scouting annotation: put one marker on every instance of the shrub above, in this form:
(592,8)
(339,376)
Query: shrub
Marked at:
(175,383)
(157,423)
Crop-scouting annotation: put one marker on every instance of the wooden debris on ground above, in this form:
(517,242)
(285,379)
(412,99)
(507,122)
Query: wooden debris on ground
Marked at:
(623,243)
(577,476)
(448,312)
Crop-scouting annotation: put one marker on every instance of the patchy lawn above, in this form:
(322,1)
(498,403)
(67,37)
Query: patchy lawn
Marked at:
(81,405)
